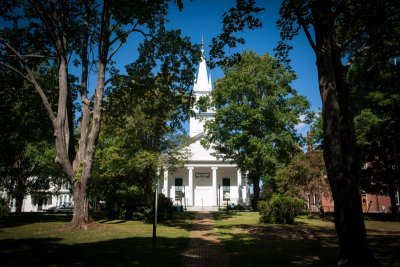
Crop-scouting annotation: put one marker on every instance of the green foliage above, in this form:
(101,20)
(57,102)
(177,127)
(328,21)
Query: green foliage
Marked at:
(131,204)
(316,141)
(26,137)
(256,114)
(89,34)
(165,209)
(375,92)
(307,172)
(280,209)
(235,20)
(142,128)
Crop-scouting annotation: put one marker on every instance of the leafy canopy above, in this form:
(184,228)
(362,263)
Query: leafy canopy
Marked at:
(256,114)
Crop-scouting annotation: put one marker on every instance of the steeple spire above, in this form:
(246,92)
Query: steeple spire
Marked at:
(202,46)
(203,82)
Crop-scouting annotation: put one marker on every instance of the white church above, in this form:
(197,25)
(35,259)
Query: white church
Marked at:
(205,182)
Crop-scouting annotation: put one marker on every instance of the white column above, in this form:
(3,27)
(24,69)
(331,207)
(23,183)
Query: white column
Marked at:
(239,186)
(246,194)
(214,185)
(166,189)
(239,178)
(190,195)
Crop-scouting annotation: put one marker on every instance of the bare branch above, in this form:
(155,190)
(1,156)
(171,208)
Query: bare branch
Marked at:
(52,28)
(32,79)
(115,50)
(35,56)
(126,34)
(16,71)
(302,23)
(114,78)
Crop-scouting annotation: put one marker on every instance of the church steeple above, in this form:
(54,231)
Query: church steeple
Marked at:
(202,87)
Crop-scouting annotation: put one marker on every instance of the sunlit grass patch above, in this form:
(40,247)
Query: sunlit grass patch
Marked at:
(309,242)
(104,243)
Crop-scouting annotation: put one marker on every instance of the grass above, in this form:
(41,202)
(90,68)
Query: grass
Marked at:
(46,241)
(310,242)
(37,240)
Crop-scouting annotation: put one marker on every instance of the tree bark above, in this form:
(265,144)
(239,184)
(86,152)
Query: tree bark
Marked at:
(256,187)
(83,163)
(392,195)
(340,154)
(19,198)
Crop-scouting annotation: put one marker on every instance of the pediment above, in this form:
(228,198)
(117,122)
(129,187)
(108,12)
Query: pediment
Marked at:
(199,152)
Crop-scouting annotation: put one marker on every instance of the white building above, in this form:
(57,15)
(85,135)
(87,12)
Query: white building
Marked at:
(205,182)
(40,201)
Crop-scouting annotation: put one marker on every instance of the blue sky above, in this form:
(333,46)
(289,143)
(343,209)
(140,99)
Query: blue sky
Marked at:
(204,18)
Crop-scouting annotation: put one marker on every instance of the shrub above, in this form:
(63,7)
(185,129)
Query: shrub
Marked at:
(280,209)
(239,207)
(165,209)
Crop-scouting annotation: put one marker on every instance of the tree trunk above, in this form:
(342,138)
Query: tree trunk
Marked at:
(20,186)
(19,198)
(256,184)
(340,155)
(82,165)
(80,217)
(392,195)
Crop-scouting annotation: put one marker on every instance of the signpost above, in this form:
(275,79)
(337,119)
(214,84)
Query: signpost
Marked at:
(155,209)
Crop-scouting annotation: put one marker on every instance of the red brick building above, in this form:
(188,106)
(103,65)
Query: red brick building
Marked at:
(371,202)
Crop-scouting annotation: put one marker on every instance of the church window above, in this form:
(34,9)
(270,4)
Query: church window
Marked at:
(226,188)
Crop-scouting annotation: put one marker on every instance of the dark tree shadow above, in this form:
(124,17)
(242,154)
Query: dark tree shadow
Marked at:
(117,252)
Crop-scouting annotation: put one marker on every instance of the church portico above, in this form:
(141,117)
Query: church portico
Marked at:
(205,186)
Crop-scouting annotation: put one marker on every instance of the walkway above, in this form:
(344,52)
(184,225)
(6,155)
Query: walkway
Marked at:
(205,249)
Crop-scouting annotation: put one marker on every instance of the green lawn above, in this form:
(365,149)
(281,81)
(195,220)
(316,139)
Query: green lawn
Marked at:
(310,242)
(37,240)
(46,241)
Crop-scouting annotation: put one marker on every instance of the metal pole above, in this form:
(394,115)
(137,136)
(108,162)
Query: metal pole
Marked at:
(155,210)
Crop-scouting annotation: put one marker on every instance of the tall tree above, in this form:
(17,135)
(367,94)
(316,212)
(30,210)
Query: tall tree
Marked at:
(334,30)
(25,138)
(377,124)
(145,114)
(256,114)
(78,31)
(340,155)
(305,171)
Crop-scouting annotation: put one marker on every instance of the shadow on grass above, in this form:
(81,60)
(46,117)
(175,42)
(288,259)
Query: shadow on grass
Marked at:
(114,252)
(180,219)
(224,215)
(298,245)
(280,246)
(14,220)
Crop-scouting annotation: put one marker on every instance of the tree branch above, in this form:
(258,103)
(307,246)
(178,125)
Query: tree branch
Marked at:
(31,79)
(16,71)
(52,29)
(145,35)
(125,35)
(114,78)
(35,56)
(302,23)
